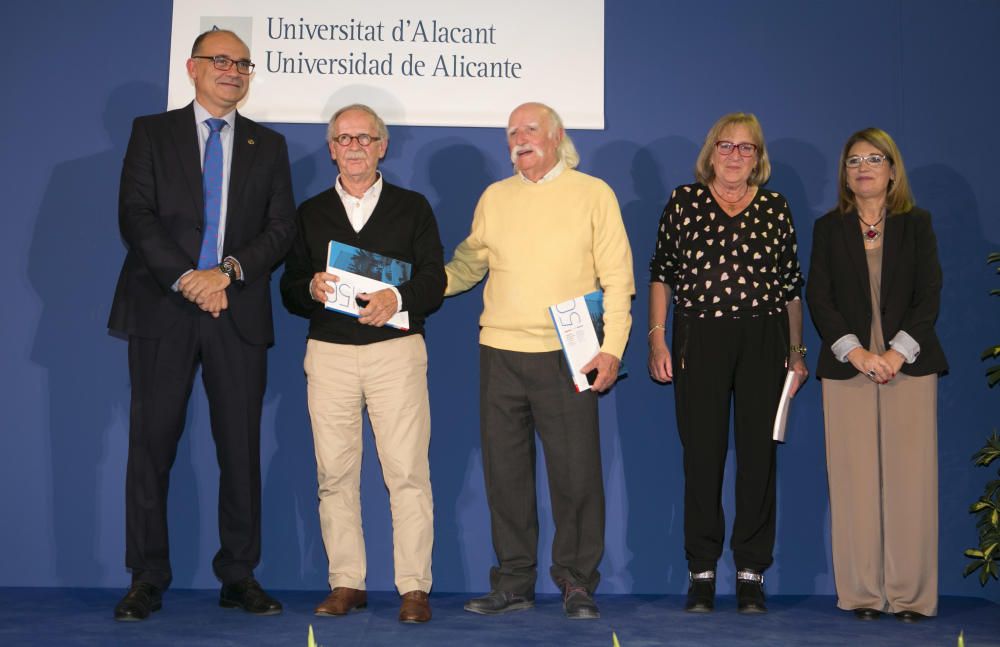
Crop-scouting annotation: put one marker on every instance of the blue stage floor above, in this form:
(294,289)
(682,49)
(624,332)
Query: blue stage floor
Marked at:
(64,617)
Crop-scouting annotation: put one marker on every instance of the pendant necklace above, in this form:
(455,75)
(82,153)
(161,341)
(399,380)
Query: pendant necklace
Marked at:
(872,234)
(722,198)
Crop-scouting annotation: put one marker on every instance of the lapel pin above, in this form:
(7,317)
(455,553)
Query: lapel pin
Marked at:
(250,141)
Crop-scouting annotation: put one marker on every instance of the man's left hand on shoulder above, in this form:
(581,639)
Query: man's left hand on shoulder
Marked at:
(198,285)
(607,371)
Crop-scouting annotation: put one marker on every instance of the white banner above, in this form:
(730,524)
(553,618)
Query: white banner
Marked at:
(427,63)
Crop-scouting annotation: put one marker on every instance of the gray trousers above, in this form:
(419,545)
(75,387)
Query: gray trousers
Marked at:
(520,393)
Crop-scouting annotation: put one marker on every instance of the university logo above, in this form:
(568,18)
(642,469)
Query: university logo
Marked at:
(242,26)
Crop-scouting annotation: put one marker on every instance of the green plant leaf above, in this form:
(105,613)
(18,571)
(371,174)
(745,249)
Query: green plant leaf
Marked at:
(972,567)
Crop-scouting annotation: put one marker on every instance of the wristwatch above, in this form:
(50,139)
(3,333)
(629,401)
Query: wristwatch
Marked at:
(228,267)
(800,349)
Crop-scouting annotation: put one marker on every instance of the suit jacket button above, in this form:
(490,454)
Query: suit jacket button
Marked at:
(197,228)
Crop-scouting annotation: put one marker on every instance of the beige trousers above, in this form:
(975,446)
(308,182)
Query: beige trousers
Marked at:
(881,453)
(390,379)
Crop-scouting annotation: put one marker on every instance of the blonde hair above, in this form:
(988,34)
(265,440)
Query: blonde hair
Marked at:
(899,197)
(761,172)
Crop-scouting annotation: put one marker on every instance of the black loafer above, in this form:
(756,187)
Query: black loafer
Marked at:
(867,614)
(578,604)
(249,596)
(497,602)
(910,616)
(750,592)
(701,592)
(141,600)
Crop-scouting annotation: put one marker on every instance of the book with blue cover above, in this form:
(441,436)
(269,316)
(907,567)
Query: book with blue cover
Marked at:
(579,323)
(363,271)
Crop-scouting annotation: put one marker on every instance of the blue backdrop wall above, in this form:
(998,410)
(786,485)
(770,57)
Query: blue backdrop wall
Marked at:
(77,73)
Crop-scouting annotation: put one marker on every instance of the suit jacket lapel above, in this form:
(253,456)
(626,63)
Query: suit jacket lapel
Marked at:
(856,251)
(244,151)
(184,133)
(892,244)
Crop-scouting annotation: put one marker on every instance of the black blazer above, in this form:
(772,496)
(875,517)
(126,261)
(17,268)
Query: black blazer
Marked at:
(161,214)
(839,295)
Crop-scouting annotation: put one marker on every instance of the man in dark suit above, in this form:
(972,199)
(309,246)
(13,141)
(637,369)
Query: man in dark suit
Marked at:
(206,211)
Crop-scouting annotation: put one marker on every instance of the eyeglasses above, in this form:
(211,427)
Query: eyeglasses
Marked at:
(874,160)
(364,139)
(746,149)
(224,64)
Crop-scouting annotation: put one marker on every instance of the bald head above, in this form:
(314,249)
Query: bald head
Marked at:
(537,140)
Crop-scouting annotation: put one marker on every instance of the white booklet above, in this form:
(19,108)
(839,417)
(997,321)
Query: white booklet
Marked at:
(781,417)
(579,323)
(362,271)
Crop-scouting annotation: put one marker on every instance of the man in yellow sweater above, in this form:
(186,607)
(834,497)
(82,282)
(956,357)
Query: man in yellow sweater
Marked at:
(545,235)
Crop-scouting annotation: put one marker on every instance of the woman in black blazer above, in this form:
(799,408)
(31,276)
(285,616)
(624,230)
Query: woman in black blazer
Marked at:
(874,293)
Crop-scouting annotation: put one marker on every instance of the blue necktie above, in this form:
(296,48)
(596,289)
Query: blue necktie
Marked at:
(211,184)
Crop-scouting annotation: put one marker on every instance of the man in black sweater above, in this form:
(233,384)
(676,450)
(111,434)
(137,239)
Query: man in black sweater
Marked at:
(357,362)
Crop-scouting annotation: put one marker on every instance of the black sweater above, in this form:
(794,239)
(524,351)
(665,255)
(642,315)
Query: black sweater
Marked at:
(402,226)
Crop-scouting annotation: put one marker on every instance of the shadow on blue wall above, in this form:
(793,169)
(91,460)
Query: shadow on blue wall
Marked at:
(73,274)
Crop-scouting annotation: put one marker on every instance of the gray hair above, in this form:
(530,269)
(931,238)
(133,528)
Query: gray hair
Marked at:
(383,132)
(566,150)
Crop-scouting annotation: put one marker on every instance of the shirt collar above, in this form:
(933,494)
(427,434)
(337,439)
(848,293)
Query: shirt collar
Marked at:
(372,193)
(553,173)
(200,115)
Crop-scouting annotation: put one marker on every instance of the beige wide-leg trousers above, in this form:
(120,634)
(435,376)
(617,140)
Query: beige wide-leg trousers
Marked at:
(881,452)
(390,379)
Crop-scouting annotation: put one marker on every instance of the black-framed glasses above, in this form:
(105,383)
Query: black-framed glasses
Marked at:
(746,149)
(224,64)
(364,139)
(874,160)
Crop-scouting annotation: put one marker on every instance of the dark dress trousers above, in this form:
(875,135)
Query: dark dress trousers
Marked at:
(839,294)
(161,216)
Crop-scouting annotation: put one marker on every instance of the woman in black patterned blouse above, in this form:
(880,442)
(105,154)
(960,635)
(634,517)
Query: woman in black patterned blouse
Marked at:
(726,256)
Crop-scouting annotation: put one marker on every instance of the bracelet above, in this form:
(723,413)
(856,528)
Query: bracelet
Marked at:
(800,349)
(656,327)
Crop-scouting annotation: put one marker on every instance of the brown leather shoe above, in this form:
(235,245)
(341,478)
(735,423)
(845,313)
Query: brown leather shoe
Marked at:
(415,607)
(342,601)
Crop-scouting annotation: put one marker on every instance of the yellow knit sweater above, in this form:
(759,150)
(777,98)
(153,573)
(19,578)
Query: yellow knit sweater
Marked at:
(544,244)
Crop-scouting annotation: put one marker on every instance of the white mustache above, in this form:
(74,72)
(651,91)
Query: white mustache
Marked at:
(524,148)
(355,155)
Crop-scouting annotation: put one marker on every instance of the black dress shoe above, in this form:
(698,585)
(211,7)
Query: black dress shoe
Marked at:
(867,614)
(142,599)
(910,616)
(247,595)
(701,592)
(750,592)
(496,602)
(578,604)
